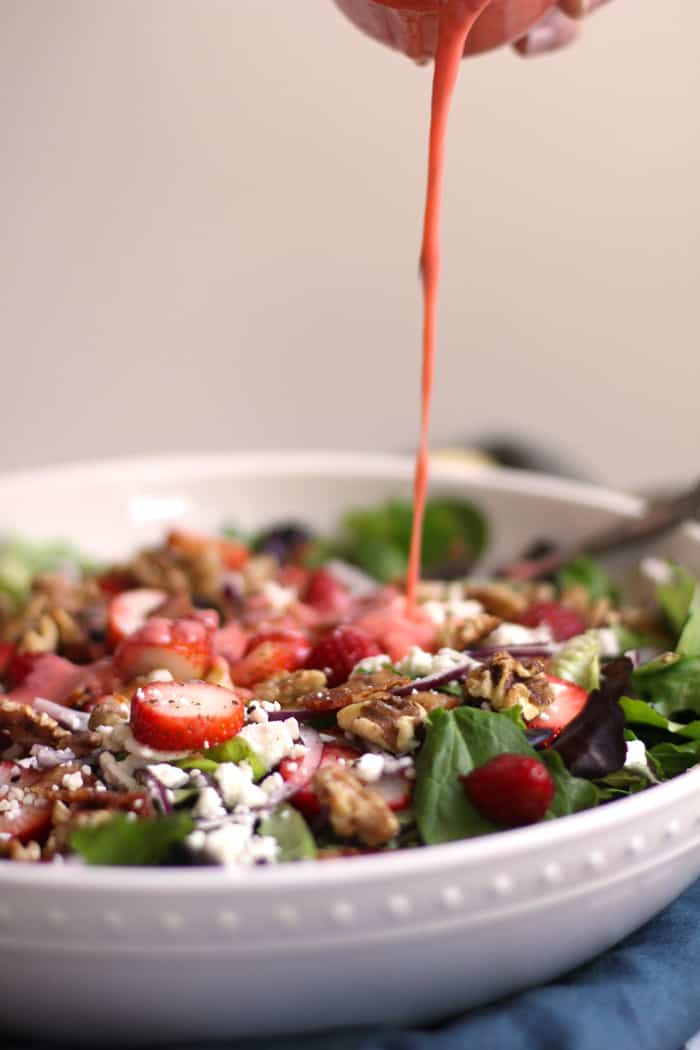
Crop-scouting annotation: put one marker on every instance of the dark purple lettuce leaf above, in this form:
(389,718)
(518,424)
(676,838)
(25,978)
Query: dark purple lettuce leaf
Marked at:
(593,744)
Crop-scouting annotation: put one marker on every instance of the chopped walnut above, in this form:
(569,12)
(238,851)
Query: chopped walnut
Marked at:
(42,638)
(288,687)
(498,599)
(111,711)
(465,634)
(431,700)
(29,852)
(506,682)
(27,726)
(389,721)
(355,810)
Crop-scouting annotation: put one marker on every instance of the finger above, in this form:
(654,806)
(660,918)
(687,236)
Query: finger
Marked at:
(553,31)
(580,8)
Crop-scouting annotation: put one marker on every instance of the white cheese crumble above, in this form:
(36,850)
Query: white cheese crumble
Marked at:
(169,776)
(508,634)
(236,844)
(372,664)
(656,570)
(236,785)
(609,644)
(208,805)
(452,609)
(72,781)
(636,753)
(271,741)
(419,664)
(369,767)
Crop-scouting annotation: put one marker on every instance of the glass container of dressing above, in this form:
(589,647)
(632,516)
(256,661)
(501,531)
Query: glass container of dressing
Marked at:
(411,25)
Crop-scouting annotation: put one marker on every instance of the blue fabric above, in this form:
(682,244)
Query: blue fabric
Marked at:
(643,994)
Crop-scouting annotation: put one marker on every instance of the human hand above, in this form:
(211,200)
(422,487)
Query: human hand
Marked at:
(557,27)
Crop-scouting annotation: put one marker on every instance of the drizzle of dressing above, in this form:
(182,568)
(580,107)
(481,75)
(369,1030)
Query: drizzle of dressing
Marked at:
(455,20)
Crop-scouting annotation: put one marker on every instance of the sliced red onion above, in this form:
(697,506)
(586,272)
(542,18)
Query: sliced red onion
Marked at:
(434,681)
(302,714)
(157,790)
(76,721)
(49,757)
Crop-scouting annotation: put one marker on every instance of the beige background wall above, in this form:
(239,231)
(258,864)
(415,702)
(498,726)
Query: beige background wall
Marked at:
(209,220)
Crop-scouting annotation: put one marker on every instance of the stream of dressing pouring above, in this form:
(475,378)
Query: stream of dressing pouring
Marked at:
(455,21)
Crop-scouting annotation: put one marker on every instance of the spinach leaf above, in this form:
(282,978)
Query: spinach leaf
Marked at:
(585,572)
(573,793)
(234,750)
(121,840)
(675,597)
(294,839)
(639,713)
(627,781)
(459,741)
(673,759)
(671,683)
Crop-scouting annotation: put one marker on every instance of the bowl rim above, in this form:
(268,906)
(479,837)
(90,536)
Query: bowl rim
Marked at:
(508,843)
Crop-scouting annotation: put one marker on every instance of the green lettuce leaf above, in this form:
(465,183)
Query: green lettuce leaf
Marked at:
(459,741)
(579,661)
(291,831)
(689,641)
(671,683)
(122,840)
(639,713)
(673,759)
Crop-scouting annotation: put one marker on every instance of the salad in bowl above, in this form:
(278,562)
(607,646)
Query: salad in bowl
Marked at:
(270,697)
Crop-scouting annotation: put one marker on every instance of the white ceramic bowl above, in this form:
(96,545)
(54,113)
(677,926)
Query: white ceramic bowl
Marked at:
(144,956)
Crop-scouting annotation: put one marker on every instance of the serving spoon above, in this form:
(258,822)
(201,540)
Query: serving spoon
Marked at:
(659,517)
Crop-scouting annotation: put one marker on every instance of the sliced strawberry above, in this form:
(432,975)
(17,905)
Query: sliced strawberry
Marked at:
(269,657)
(326,594)
(338,651)
(306,800)
(230,642)
(275,633)
(112,583)
(183,647)
(8,653)
(298,772)
(49,676)
(569,701)
(563,623)
(129,611)
(184,716)
(26,816)
(396,791)
(232,553)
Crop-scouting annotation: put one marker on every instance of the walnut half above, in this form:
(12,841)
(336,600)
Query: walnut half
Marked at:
(505,682)
(386,720)
(355,810)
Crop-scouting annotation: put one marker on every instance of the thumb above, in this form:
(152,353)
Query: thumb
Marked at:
(554,30)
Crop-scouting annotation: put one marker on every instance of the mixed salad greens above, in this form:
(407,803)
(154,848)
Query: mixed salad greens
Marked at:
(251,700)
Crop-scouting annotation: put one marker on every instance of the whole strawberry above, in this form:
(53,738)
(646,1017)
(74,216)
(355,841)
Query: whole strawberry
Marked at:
(337,652)
(510,789)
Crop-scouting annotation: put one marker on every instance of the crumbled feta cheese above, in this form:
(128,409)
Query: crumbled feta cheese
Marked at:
(636,753)
(235,844)
(236,785)
(370,767)
(280,598)
(271,741)
(419,664)
(208,805)
(454,609)
(508,634)
(169,776)
(272,784)
(371,664)
(72,781)
(256,713)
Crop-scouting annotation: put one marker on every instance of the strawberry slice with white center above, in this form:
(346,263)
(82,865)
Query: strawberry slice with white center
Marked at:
(129,611)
(569,701)
(185,716)
(183,647)
(396,791)
(23,816)
(305,799)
